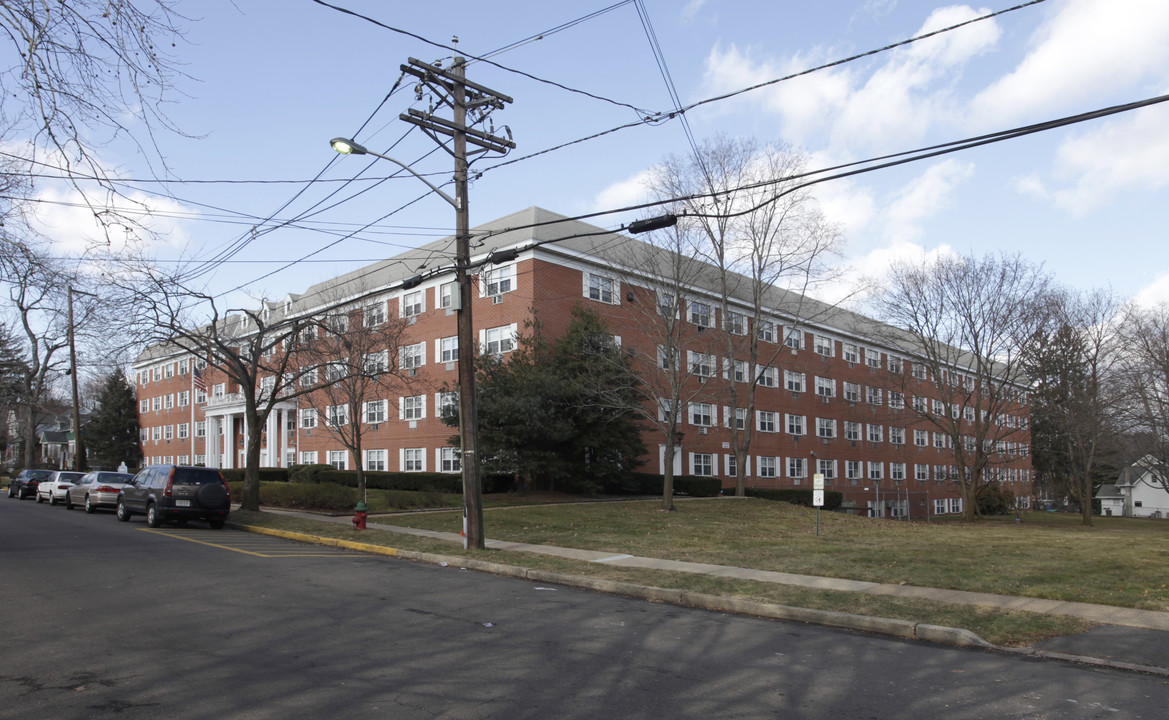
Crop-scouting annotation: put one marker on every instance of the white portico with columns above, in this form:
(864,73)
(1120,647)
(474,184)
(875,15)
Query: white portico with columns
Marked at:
(227,432)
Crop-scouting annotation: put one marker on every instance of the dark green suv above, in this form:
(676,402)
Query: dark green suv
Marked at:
(176,492)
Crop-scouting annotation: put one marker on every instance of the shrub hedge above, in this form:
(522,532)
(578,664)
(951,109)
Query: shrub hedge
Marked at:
(832,498)
(651,484)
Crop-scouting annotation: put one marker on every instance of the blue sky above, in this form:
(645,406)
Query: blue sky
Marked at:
(271,82)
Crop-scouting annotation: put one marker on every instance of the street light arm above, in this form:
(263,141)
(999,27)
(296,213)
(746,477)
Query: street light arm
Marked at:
(349,147)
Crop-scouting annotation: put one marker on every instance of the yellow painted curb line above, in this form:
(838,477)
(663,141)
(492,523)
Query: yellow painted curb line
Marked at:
(332,542)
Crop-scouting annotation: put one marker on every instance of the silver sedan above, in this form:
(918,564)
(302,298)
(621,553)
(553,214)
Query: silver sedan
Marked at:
(98,489)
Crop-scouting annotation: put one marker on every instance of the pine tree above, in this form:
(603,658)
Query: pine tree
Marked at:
(112,434)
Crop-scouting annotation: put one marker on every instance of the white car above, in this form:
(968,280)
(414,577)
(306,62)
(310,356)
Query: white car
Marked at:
(57,485)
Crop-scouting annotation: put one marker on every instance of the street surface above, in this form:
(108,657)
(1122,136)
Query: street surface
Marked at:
(105,619)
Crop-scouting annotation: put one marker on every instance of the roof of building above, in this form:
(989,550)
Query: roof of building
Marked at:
(1108,491)
(553,233)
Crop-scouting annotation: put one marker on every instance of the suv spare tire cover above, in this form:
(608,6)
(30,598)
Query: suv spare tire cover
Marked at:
(211,495)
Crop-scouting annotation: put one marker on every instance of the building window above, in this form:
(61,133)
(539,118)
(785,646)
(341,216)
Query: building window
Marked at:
(941,440)
(921,473)
(413,356)
(144,405)
(823,345)
(168,401)
(919,371)
(732,465)
(896,400)
(827,468)
(375,460)
(308,457)
(448,294)
(337,324)
(740,418)
(499,340)
(797,467)
(897,471)
(600,288)
(377,363)
(376,411)
(850,352)
(414,408)
(701,314)
(852,392)
(765,421)
(337,415)
(825,427)
(895,365)
(184,431)
(876,470)
(876,433)
(872,357)
(796,425)
(339,459)
(740,371)
(499,280)
(852,430)
(412,304)
(897,435)
(375,314)
(700,414)
(873,395)
(201,429)
(446,404)
(702,464)
(766,331)
(168,432)
(448,458)
(793,381)
(768,377)
(308,418)
(413,460)
(852,469)
(921,438)
(767,467)
(702,364)
(794,339)
(955,505)
(736,323)
(825,387)
(185,398)
(448,349)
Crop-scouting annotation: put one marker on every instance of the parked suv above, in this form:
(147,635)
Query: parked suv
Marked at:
(176,492)
(25,483)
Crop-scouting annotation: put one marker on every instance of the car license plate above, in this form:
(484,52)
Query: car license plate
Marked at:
(182,503)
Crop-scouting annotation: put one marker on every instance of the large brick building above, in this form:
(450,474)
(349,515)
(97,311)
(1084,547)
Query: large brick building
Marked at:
(837,394)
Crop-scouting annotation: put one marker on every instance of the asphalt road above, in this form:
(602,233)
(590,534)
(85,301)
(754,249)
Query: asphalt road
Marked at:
(105,619)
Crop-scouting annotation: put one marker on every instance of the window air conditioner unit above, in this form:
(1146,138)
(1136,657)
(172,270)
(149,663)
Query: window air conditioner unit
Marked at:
(496,299)
(703,430)
(413,372)
(374,426)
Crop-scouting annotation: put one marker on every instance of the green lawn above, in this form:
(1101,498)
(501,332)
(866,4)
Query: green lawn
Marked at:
(1119,561)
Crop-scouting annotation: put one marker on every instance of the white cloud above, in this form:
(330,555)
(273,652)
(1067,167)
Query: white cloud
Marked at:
(923,198)
(1155,293)
(1131,152)
(63,216)
(691,9)
(631,191)
(1086,50)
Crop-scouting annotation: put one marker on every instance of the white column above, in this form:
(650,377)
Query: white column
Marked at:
(284,438)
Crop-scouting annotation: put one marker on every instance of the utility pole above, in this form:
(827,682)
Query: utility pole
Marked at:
(452,88)
(79,462)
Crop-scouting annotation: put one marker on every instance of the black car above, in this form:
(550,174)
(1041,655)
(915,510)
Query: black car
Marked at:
(176,492)
(26,482)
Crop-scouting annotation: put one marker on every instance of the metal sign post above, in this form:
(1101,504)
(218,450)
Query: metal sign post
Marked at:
(818,497)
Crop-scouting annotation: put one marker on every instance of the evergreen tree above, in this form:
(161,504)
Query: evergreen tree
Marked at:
(560,414)
(13,377)
(112,434)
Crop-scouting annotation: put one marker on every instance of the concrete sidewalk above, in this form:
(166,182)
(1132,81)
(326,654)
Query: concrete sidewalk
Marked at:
(1127,638)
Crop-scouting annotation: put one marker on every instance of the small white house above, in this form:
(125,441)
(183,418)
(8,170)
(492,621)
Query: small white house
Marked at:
(1138,492)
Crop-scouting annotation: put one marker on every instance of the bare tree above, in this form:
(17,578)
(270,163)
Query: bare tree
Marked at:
(354,357)
(254,349)
(79,74)
(1074,399)
(676,358)
(1144,377)
(967,323)
(769,243)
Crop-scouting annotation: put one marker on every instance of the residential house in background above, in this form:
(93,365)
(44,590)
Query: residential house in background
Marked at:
(1138,492)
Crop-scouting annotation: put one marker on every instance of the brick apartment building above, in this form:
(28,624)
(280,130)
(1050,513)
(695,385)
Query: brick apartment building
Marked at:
(825,403)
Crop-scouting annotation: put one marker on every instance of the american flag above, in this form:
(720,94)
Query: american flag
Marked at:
(197,378)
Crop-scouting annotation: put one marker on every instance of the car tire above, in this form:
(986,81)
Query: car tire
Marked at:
(217,523)
(68,501)
(11,490)
(52,499)
(123,513)
(153,518)
(89,508)
(39,498)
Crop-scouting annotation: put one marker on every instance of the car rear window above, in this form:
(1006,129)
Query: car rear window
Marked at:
(114,477)
(196,476)
(71,477)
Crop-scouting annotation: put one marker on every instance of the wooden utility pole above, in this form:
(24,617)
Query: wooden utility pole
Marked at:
(452,88)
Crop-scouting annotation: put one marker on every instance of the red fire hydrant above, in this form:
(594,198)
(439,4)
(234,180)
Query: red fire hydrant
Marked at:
(360,513)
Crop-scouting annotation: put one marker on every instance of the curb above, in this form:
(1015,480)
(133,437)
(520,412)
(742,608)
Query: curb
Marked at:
(906,629)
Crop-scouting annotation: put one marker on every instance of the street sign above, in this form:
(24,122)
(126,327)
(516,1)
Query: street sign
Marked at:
(818,498)
(818,481)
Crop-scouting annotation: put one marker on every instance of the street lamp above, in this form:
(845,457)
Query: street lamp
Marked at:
(468,414)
